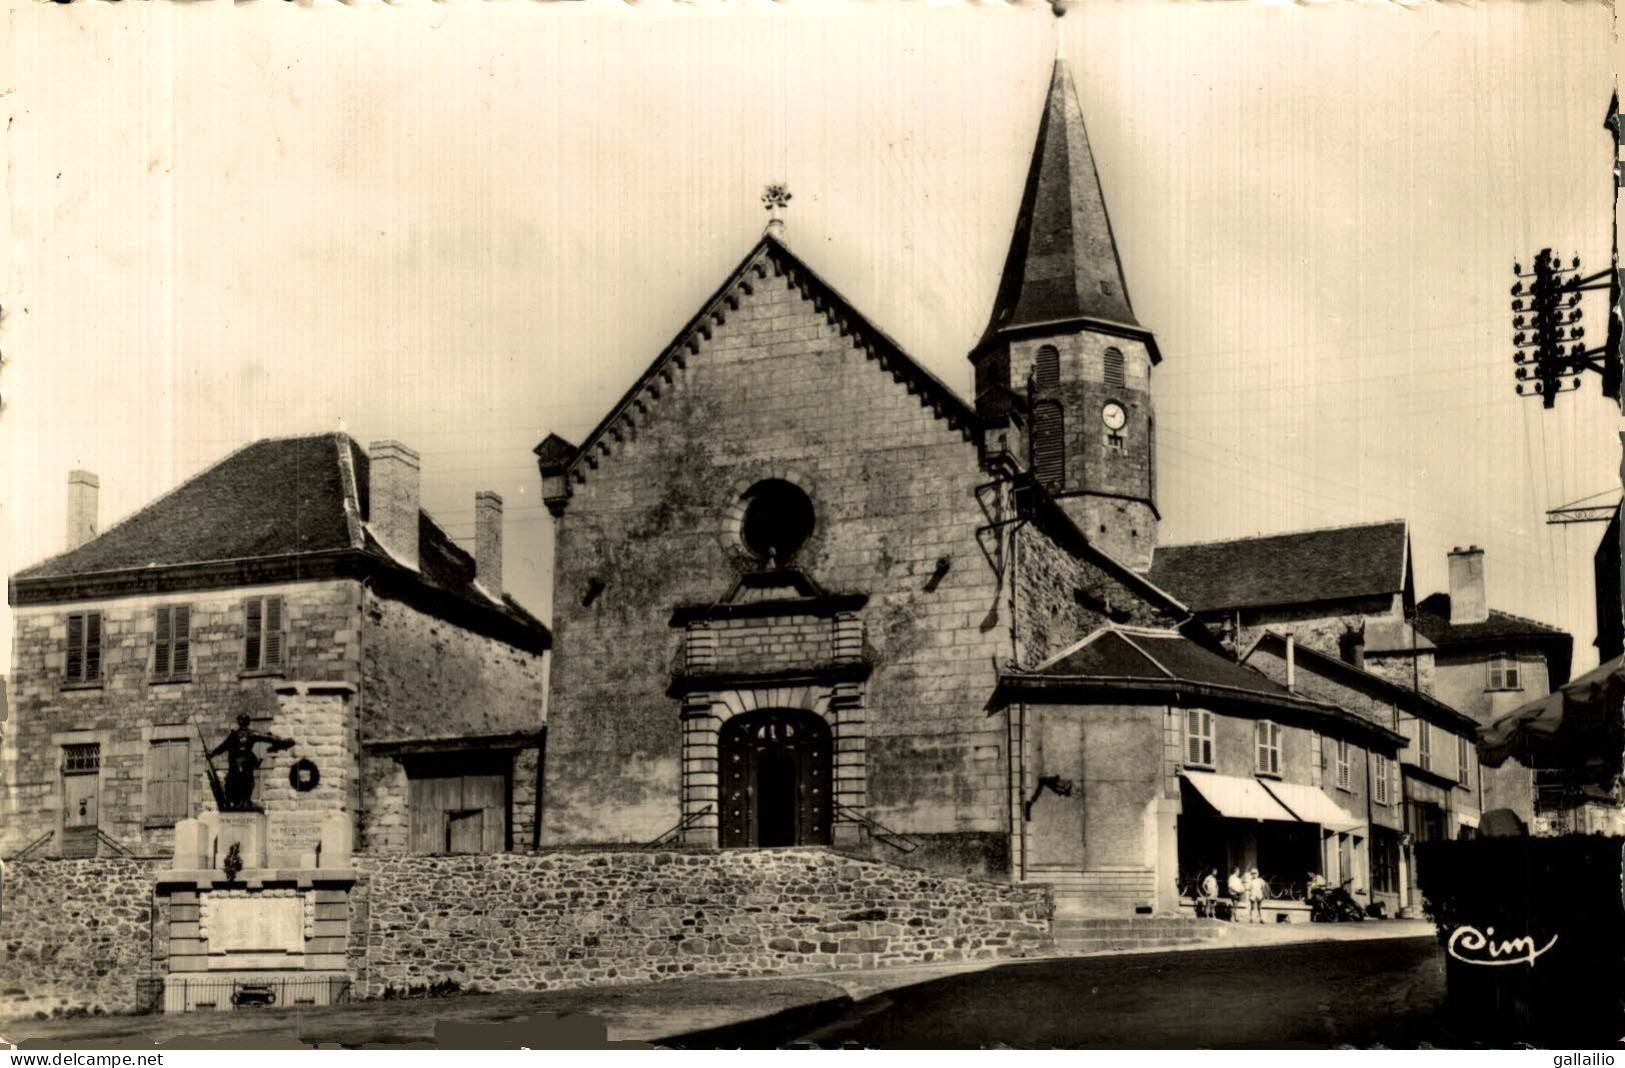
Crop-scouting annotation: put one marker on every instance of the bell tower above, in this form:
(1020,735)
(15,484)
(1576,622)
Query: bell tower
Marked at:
(1063,370)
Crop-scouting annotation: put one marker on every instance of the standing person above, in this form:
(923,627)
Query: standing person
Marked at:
(1238,893)
(1210,893)
(1255,896)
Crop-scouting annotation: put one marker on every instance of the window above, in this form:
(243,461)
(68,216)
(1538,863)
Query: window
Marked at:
(1114,441)
(1269,747)
(1424,745)
(84,647)
(1463,755)
(169,766)
(262,634)
(1114,367)
(1505,673)
(1047,368)
(777,522)
(1379,778)
(83,759)
(1049,444)
(1342,764)
(1198,737)
(172,642)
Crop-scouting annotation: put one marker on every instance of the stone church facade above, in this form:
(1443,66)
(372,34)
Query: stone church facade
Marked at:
(806,595)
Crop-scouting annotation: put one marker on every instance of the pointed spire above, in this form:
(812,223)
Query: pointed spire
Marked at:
(1063,261)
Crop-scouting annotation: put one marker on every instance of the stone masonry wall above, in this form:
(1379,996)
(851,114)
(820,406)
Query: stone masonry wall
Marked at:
(126,712)
(78,935)
(564,919)
(1049,614)
(426,678)
(778,391)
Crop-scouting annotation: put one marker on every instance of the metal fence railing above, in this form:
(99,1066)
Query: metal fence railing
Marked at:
(184,994)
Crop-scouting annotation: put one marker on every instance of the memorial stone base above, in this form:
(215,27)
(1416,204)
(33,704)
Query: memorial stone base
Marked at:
(275,935)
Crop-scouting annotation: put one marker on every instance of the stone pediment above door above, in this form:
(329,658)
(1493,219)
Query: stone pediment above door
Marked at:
(774,626)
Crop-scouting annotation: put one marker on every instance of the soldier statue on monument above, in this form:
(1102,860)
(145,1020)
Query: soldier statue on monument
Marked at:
(237,795)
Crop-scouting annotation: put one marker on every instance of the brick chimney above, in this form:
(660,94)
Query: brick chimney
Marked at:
(393,499)
(1467,600)
(84,490)
(488,541)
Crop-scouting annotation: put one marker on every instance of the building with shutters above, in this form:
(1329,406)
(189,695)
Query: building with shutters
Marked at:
(298,582)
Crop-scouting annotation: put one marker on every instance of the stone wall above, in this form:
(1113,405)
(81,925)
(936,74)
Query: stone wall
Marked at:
(78,935)
(126,711)
(1061,597)
(563,919)
(426,678)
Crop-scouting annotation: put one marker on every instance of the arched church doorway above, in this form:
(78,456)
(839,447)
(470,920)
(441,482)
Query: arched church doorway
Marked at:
(776,770)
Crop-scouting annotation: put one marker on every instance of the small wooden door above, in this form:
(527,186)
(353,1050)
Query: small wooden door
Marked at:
(81,790)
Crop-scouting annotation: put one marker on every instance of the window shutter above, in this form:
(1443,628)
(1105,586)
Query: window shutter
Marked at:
(273,632)
(93,645)
(168,772)
(76,647)
(1047,368)
(181,659)
(251,634)
(1495,673)
(1114,367)
(1049,444)
(1260,743)
(160,643)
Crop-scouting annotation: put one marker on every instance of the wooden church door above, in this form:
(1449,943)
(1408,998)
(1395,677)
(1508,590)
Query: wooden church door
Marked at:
(776,771)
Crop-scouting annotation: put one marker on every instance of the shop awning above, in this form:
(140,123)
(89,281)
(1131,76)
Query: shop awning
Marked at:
(1238,798)
(1311,805)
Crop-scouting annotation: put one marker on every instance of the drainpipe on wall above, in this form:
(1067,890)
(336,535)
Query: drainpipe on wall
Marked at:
(1291,663)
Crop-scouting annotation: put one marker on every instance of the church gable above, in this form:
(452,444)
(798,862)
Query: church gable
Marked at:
(749,318)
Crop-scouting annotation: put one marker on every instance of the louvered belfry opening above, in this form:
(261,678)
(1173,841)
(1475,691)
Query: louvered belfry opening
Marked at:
(1047,367)
(1049,445)
(1113,368)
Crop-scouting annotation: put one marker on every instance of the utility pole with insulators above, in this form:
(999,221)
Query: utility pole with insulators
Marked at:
(1551,352)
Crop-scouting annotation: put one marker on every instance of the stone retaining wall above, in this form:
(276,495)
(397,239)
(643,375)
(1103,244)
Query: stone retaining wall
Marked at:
(78,935)
(543,921)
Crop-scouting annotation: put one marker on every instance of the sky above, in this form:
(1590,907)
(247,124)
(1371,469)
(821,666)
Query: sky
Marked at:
(464,226)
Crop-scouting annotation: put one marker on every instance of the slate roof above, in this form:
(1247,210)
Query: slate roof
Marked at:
(1302,567)
(1062,265)
(1121,652)
(1164,664)
(1328,666)
(274,499)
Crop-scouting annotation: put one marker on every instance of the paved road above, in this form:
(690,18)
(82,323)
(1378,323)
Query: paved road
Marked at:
(1311,995)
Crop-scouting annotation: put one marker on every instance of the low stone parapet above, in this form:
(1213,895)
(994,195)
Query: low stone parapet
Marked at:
(551,920)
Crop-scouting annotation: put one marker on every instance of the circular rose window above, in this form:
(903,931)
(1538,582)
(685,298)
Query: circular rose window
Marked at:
(778,521)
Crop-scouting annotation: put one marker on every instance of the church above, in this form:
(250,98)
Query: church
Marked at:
(807,595)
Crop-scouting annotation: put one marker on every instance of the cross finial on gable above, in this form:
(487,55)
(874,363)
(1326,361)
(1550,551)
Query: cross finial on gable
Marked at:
(775,198)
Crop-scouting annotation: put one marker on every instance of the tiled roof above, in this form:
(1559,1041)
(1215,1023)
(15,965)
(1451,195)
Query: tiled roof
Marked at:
(1302,567)
(1310,659)
(1062,265)
(281,498)
(1433,620)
